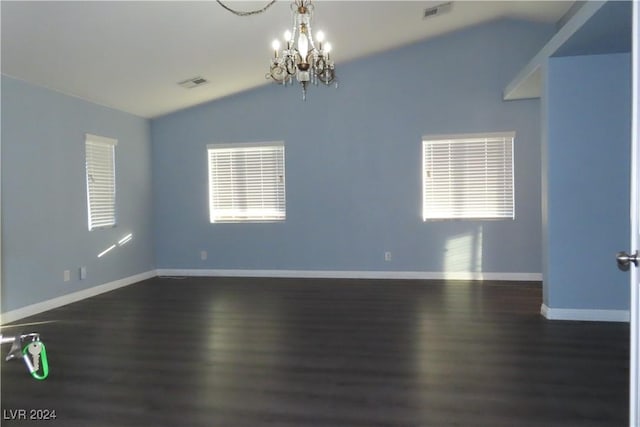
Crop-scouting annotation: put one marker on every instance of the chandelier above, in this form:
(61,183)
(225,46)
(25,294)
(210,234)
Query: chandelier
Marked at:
(302,58)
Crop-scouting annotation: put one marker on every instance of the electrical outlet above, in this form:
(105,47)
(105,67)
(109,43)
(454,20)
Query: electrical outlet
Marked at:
(387,256)
(203,255)
(83,273)
(66,275)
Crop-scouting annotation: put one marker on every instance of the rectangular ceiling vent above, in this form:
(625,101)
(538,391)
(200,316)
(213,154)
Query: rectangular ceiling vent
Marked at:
(193,82)
(437,10)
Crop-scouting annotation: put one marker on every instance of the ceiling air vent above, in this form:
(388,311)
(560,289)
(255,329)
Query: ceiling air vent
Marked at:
(193,82)
(437,10)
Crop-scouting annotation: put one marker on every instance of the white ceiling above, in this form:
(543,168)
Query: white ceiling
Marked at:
(131,55)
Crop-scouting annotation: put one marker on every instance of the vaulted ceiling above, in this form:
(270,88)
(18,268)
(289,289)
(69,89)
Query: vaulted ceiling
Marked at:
(131,55)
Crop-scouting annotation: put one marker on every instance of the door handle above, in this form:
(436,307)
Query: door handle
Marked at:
(624,259)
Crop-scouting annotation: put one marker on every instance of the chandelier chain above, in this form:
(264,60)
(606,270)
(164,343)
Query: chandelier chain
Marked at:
(246,13)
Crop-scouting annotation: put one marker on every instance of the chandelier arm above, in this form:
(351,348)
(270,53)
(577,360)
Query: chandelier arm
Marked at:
(294,29)
(247,13)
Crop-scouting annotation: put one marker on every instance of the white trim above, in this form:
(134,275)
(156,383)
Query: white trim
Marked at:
(340,274)
(634,211)
(100,139)
(532,69)
(478,135)
(593,315)
(33,309)
(234,145)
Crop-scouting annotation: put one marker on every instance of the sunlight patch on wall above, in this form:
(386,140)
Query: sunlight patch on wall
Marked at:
(106,251)
(463,253)
(121,242)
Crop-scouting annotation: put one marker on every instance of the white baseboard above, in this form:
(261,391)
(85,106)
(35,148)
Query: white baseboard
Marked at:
(30,310)
(584,314)
(33,309)
(549,313)
(340,274)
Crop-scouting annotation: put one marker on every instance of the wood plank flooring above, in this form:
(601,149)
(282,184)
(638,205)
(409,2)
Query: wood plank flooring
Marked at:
(308,352)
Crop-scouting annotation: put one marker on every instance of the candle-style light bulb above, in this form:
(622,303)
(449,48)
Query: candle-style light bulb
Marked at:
(320,39)
(287,39)
(276,47)
(327,49)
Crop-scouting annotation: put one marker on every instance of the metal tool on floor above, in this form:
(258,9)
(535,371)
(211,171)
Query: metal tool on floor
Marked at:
(31,350)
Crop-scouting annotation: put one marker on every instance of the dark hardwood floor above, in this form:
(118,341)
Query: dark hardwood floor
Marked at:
(290,352)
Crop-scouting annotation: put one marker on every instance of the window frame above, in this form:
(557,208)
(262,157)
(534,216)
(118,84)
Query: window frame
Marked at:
(93,145)
(502,211)
(273,213)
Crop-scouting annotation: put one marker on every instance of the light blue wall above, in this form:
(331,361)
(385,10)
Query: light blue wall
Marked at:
(353,163)
(588,112)
(44,213)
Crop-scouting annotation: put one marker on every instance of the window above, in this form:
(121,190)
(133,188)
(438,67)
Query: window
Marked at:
(468,177)
(101,181)
(246,182)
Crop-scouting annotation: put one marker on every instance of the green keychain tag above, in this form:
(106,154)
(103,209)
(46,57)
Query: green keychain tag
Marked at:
(43,361)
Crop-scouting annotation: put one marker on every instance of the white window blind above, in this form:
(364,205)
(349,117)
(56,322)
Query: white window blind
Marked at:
(246,182)
(101,181)
(468,177)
